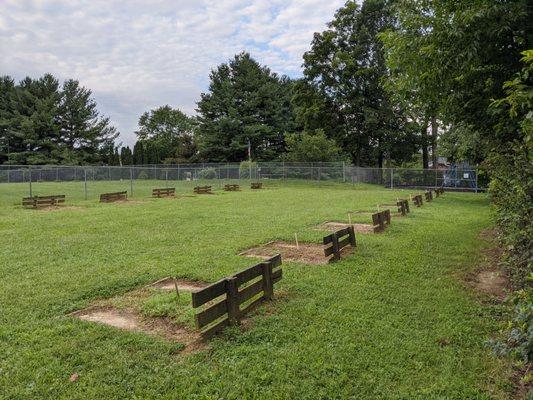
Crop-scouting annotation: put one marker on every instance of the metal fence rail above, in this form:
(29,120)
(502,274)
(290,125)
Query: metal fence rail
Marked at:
(86,180)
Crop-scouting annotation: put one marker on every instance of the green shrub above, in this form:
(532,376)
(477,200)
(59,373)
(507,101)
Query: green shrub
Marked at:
(208,173)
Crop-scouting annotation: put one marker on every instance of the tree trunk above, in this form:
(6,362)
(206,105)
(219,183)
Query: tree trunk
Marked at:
(425,157)
(434,133)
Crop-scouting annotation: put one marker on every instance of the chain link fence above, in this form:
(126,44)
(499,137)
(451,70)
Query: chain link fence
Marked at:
(87,182)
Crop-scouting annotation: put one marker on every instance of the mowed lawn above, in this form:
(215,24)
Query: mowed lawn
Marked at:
(393,320)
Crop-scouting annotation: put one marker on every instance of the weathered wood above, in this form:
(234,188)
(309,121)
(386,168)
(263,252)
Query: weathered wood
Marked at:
(337,241)
(163,192)
(232,188)
(229,287)
(256,185)
(43,201)
(111,197)
(268,285)
(417,200)
(250,291)
(232,300)
(211,313)
(203,190)
(429,195)
(208,293)
(248,274)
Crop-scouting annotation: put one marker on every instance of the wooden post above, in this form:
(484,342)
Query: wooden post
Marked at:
(336,252)
(352,236)
(268,287)
(232,300)
(296,238)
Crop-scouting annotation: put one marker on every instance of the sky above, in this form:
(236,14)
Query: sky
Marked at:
(137,55)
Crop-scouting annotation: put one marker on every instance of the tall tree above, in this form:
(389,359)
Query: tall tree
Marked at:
(168,135)
(246,103)
(126,156)
(346,62)
(138,153)
(81,128)
(43,123)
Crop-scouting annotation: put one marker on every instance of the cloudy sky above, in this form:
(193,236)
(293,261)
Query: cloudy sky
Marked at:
(136,55)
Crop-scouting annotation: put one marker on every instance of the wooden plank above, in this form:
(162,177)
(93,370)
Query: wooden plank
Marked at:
(328,239)
(211,313)
(275,261)
(344,242)
(209,293)
(277,275)
(211,331)
(329,251)
(249,273)
(250,291)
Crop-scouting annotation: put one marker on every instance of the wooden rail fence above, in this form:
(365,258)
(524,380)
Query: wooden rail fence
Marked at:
(42,201)
(163,192)
(429,195)
(237,290)
(403,207)
(256,185)
(336,241)
(439,191)
(417,200)
(111,197)
(381,220)
(232,188)
(203,190)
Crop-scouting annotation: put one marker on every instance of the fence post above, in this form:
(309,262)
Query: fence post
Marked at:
(29,171)
(85,182)
(131,182)
(267,281)
(392,178)
(343,173)
(475,171)
(232,300)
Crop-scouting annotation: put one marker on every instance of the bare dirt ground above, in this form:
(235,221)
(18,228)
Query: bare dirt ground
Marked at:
(333,226)
(306,253)
(183,284)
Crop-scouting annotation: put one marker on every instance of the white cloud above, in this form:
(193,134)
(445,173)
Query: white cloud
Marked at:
(137,55)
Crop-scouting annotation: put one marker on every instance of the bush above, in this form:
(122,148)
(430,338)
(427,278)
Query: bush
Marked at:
(208,173)
(142,175)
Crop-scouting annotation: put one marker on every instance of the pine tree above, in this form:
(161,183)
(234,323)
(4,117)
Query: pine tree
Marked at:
(245,102)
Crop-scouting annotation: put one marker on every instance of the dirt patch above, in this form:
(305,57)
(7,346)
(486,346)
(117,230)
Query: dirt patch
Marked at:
(183,284)
(131,321)
(492,282)
(334,226)
(307,253)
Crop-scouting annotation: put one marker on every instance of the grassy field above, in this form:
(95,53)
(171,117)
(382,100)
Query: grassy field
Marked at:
(393,320)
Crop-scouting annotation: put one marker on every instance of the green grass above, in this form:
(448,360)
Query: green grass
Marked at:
(366,327)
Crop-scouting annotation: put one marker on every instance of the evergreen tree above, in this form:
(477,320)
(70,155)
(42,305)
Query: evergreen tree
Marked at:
(245,103)
(346,62)
(138,153)
(126,156)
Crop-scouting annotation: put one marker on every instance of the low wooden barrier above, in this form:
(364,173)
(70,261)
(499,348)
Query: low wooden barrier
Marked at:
(439,191)
(43,201)
(417,200)
(111,197)
(232,188)
(336,241)
(164,192)
(380,220)
(403,207)
(429,195)
(256,185)
(203,190)
(227,311)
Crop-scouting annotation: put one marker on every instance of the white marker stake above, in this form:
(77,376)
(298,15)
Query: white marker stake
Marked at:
(296,237)
(350,218)
(377,207)
(176,287)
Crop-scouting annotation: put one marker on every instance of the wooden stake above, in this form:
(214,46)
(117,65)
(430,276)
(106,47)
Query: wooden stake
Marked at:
(176,287)
(377,207)
(296,237)
(350,218)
